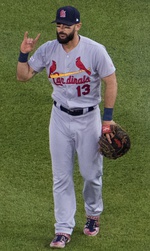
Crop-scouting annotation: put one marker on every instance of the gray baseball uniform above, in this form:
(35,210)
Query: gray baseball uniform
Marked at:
(75,123)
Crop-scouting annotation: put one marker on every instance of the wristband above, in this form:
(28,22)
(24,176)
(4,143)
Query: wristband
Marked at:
(23,57)
(108,114)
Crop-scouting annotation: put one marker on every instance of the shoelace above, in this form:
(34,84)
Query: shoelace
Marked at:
(91,224)
(60,238)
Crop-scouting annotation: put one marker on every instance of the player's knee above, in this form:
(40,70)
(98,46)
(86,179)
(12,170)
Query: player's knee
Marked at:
(90,176)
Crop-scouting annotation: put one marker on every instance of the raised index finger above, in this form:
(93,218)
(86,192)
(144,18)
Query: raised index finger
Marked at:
(26,35)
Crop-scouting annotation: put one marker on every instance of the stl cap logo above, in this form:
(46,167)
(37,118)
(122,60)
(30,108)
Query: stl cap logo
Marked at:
(62,13)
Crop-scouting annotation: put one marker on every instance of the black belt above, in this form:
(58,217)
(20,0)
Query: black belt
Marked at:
(75,112)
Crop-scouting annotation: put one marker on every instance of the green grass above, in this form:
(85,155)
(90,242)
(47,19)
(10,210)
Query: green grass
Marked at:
(26,201)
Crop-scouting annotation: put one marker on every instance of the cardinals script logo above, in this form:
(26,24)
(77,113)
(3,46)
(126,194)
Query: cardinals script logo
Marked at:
(82,81)
(58,78)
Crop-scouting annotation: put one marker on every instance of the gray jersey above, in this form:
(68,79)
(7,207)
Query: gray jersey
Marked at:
(75,76)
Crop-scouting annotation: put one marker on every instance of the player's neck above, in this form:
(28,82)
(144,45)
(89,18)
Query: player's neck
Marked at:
(72,44)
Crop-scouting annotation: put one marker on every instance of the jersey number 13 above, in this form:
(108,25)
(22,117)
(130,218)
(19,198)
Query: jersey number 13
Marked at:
(83,90)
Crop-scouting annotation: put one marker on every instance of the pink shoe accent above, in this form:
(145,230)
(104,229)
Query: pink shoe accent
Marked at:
(91,227)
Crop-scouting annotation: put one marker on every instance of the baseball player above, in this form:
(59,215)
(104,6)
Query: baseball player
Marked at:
(75,66)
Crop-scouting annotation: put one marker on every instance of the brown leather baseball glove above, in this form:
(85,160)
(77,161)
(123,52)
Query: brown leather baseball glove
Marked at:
(120,142)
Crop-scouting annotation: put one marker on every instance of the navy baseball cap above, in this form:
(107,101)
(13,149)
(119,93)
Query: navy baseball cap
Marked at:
(67,15)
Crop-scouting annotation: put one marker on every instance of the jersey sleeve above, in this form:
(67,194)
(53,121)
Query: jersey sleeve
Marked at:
(104,63)
(37,60)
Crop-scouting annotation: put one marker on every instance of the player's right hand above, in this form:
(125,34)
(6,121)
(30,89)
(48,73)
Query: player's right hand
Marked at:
(28,44)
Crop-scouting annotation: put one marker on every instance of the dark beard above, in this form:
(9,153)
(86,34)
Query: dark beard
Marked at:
(65,40)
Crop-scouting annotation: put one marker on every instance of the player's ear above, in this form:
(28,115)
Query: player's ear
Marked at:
(78,26)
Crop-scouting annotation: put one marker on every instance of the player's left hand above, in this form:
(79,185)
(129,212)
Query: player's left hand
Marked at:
(120,144)
(106,129)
